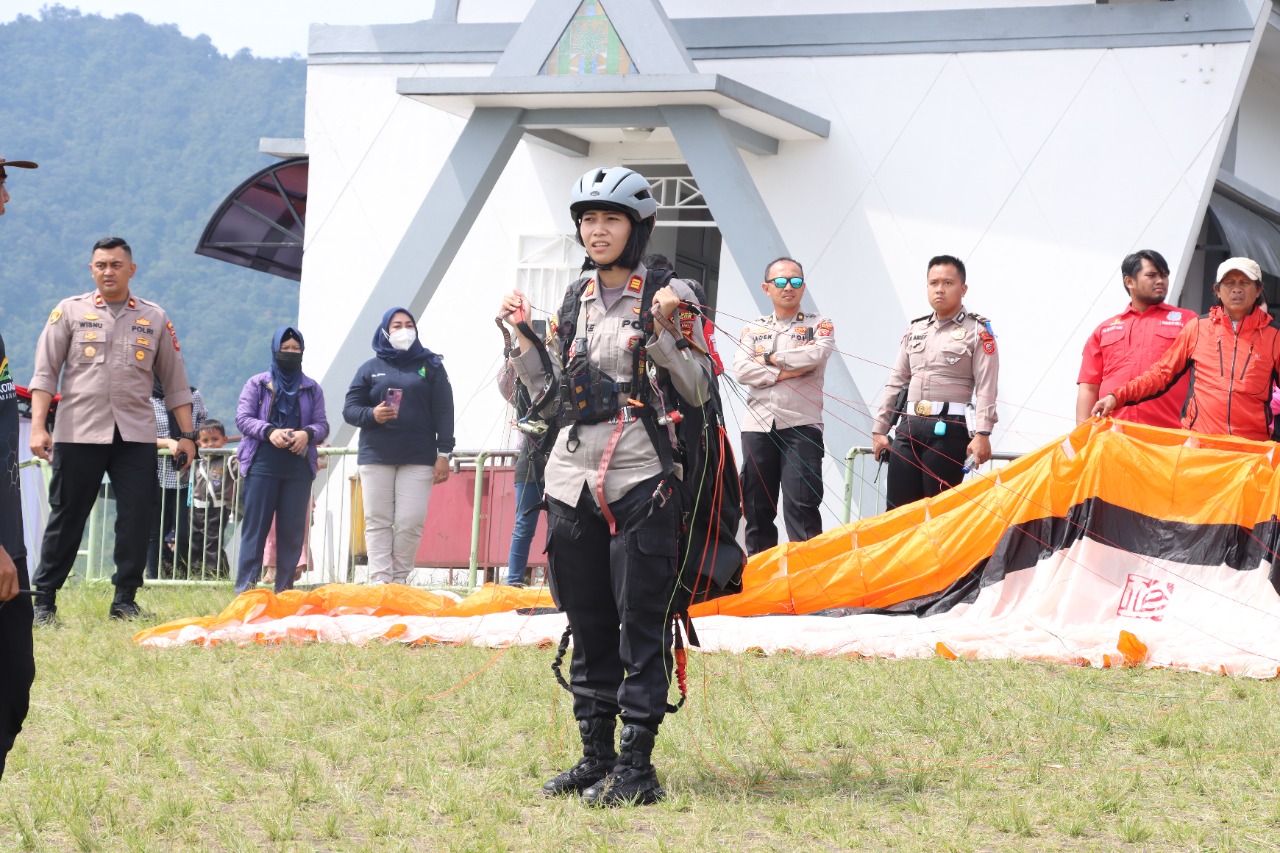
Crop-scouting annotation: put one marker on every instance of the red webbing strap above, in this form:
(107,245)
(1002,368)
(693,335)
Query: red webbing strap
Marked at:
(681,655)
(604,466)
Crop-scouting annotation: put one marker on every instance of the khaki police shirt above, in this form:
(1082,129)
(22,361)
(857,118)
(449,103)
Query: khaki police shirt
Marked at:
(105,363)
(803,342)
(612,336)
(954,361)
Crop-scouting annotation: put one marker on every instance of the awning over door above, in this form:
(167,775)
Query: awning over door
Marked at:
(1247,233)
(261,224)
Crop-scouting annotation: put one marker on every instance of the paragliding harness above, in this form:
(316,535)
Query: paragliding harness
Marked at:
(709,559)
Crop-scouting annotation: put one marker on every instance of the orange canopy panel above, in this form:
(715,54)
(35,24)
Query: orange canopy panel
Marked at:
(1118,544)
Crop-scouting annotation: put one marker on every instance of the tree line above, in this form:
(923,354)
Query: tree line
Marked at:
(140,132)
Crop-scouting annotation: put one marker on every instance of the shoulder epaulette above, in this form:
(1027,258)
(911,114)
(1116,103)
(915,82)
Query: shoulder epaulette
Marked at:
(925,317)
(982,321)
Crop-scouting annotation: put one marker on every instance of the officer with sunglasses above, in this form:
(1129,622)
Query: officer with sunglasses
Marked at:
(781,360)
(949,366)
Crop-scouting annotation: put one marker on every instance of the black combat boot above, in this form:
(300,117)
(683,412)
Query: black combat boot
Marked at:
(632,781)
(598,756)
(124,607)
(46,610)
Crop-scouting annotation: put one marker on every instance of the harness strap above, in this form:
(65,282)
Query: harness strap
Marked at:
(536,405)
(598,695)
(600,475)
(681,656)
(680,653)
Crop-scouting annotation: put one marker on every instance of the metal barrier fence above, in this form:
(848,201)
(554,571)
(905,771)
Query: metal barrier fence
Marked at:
(870,489)
(209,550)
(204,546)
(330,554)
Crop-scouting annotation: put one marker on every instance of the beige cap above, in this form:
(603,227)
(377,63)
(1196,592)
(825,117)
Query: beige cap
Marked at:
(1245,265)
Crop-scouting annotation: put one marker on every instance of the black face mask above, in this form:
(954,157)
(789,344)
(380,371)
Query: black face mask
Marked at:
(288,360)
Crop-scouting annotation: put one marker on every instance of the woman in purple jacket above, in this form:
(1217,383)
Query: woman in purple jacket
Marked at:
(281,416)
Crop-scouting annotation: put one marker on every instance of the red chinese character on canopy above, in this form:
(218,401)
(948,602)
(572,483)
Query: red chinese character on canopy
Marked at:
(1145,598)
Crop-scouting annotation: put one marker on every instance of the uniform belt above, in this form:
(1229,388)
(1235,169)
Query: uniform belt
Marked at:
(934,408)
(202,504)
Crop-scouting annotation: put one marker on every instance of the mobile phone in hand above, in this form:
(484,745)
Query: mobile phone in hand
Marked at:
(394,396)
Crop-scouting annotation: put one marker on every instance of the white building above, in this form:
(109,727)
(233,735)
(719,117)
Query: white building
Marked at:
(1039,140)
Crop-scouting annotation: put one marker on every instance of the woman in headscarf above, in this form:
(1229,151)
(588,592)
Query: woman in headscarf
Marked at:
(403,404)
(281,418)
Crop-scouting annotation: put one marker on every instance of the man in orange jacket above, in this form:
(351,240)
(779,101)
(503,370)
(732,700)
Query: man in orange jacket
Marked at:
(1232,355)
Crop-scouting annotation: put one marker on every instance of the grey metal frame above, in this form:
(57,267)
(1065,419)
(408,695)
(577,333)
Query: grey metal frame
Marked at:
(1187,22)
(705,138)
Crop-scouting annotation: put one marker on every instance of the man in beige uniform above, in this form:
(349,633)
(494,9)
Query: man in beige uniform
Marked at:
(948,363)
(104,344)
(782,359)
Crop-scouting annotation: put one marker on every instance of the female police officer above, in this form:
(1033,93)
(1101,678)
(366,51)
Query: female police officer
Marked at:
(613,517)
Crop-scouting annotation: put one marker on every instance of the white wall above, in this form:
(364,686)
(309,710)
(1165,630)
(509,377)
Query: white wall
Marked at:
(1256,160)
(1041,169)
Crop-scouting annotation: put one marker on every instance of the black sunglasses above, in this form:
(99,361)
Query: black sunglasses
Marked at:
(794,281)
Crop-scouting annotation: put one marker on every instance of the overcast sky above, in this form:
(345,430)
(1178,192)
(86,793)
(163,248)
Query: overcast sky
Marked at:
(266,27)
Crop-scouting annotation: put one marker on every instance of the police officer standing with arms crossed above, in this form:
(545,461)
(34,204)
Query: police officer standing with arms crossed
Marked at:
(781,360)
(948,363)
(104,345)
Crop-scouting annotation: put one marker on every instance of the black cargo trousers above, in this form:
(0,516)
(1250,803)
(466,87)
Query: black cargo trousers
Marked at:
(619,594)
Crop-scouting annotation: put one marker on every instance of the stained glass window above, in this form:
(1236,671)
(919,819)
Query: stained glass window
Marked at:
(589,45)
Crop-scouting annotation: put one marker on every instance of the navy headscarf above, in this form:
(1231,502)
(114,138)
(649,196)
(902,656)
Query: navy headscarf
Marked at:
(285,381)
(383,349)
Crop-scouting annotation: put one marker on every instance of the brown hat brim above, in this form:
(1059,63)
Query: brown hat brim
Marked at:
(19,164)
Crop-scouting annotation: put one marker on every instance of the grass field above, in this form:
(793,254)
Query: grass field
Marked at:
(391,748)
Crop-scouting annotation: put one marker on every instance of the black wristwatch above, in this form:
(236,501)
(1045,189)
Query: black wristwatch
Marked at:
(189,436)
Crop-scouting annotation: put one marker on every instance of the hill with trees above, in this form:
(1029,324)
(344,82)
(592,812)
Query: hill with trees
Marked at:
(140,132)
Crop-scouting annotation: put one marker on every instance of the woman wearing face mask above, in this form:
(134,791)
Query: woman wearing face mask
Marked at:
(281,416)
(403,404)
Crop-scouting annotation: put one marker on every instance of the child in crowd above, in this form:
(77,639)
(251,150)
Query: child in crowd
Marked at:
(213,502)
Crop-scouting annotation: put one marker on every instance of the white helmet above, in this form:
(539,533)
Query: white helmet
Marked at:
(615,188)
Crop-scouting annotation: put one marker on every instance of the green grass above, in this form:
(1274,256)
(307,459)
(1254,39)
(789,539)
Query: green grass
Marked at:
(339,748)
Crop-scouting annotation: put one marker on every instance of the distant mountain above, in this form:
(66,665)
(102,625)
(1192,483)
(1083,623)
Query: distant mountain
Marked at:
(139,132)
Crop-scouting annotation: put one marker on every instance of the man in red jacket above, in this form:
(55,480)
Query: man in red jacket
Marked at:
(1233,358)
(1125,345)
